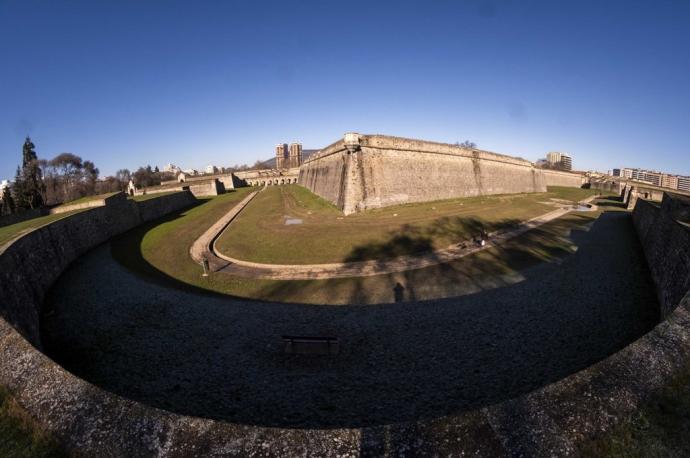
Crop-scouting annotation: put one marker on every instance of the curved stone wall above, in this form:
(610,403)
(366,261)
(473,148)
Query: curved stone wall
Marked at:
(549,421)
(665,236)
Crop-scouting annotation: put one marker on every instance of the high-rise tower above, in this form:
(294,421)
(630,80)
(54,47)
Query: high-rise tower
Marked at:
(282,156)
(295,155)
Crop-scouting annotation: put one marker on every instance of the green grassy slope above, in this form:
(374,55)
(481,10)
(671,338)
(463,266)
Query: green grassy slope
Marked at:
(260,232)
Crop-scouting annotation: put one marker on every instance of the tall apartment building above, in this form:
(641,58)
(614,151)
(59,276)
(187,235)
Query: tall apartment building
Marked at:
(288,157)
(664,180)
(295,155)
(561,160)
(669,181)
(652,177)
(282,156)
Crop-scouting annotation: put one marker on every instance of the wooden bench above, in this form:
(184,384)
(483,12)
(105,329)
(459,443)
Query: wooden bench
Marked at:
(304,345)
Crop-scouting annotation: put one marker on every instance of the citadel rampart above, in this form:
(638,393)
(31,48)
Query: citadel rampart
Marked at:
(561,178)
(665,236)
(371,171)
(546,422)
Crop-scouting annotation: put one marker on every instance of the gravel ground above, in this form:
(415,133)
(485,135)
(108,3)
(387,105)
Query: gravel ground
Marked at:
(222,358)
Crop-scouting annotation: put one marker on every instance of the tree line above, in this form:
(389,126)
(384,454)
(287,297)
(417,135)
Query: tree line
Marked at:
(47,182)
(66,177)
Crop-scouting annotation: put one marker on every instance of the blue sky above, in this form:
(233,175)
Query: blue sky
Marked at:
(126,83)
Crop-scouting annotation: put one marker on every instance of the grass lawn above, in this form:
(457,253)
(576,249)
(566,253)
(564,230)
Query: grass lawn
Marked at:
(9,232)
(159,251)
(19,437)
(260,232)
(660,428)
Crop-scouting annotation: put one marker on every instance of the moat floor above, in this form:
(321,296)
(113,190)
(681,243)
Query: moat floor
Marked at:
(222,358)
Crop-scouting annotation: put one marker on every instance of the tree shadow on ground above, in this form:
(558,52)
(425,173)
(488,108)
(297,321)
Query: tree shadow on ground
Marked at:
(126,249)
(495,267)
(414,240)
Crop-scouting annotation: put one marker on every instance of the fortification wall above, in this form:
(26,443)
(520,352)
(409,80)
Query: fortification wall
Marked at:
(266,177)
(665,237)
(550,421)
(325,173)
(29,265)
(371,171)
(561,178)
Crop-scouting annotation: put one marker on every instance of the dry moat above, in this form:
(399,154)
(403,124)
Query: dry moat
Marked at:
(220,357)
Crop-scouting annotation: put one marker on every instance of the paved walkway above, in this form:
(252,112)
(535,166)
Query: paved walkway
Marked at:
(205,247)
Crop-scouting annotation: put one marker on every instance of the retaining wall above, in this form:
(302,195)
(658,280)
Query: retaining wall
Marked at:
(8,220)
(562,178)
(372,171)
(665,239)
(550,421)
(29,265)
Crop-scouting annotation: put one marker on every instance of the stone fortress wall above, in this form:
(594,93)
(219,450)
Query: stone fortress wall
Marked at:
(664,231)
(550,421)
(372,171)
(30,264)
(561,178)
(268,177)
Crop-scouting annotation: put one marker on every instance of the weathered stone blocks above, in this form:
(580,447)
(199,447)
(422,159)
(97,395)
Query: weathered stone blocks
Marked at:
(372,171)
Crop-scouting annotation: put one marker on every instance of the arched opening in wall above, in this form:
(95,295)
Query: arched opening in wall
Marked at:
(131,192)
(282,181)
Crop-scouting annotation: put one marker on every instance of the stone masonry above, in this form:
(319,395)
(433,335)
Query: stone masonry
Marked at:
(372,171)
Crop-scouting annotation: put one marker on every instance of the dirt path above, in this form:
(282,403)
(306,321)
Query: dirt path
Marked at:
(205,247)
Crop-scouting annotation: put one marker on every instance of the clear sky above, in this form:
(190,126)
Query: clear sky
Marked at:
(126,83)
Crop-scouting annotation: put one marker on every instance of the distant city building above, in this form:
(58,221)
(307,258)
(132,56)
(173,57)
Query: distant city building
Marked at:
(560,160)
(4,184)
(282,155)
(661,179)
(295,155)
(653,177)
(172,168)
(190,172)
(288,157)
(669,181)
(211,169)
(684,183)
